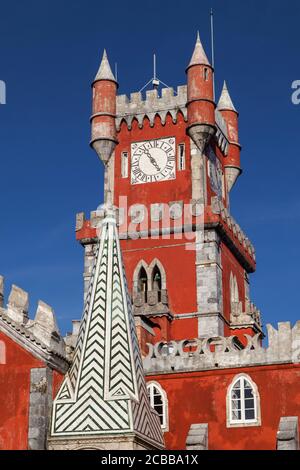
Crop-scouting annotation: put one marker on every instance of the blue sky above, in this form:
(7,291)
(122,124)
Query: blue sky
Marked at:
(49,54)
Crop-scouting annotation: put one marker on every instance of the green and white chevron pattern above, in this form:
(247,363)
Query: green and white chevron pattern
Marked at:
(104,391)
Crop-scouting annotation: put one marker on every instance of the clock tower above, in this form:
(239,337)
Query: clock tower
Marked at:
(175,155)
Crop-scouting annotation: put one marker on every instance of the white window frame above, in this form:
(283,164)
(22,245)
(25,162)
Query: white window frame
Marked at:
(124,164)
(243,422)
(181,158)
(165,415)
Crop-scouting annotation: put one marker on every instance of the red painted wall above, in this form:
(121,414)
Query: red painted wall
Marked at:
(200,397)
(14,392)
(158,192)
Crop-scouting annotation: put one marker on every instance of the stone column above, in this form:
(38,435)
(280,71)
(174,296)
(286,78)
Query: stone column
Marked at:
(209,286)
(198,168)
(39,407)
(89,259)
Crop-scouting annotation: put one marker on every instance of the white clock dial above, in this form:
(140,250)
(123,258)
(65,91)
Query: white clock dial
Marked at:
(153,160)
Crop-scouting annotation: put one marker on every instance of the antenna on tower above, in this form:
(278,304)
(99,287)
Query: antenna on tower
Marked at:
(212,45)
(116,71)
(154,80)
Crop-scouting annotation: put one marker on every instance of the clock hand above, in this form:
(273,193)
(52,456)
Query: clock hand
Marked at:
(152,160)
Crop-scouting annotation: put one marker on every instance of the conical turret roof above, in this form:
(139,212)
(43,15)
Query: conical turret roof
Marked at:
(199,56)
(105,72)
(225,101)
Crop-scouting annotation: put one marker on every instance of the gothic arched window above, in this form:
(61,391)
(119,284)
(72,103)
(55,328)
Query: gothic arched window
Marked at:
(158,401)
(243,407)
(157,281)
(143,282)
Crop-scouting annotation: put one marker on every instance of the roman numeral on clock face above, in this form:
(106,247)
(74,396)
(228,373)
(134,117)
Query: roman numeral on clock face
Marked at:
(153,161)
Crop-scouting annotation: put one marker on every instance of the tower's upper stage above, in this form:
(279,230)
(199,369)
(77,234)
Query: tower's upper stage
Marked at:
(168,103)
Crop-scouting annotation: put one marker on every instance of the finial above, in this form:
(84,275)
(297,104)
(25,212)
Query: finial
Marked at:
(105,72)
(225,101)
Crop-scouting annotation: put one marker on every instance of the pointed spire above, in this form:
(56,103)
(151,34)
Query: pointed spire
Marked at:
(104,393)
(225,101)
(105,72)
(199,57)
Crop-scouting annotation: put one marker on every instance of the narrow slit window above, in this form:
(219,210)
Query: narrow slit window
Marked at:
(181,157)
(124,164)
(205,74)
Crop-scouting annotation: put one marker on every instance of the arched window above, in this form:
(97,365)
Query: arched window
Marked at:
(156,281)
(243,404)
(143,282)
(158,401)
(2,353)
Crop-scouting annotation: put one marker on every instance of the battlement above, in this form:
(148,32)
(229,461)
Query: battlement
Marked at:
(233,226)
(168,103)
(225,352)
(41,335)
(239,317)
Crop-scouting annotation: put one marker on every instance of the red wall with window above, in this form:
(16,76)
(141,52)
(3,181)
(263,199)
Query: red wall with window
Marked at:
(200,397)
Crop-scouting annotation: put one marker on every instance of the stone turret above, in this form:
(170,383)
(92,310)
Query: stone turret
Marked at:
(200,99)
(230,115)
(104,134)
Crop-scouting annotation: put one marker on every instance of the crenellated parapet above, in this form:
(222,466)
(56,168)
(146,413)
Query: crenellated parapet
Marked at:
(169,103)
(242,318)
(41,335)
(233,232)
(225,352)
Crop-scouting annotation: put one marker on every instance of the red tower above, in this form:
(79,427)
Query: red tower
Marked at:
(188,262)
(170,175)
(171,159)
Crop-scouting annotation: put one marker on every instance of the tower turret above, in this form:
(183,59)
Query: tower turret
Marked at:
(230,114)
(104,134)
(200,97)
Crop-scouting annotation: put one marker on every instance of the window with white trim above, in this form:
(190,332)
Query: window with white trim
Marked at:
(124,164)
(158,401)
(181,157)
(243,406)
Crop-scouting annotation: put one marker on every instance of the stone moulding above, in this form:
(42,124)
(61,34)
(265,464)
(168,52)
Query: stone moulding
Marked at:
(225,352)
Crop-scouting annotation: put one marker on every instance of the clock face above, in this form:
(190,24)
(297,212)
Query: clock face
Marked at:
(153,160)
(215,172)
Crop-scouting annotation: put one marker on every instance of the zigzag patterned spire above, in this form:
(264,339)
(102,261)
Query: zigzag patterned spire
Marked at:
(104,392)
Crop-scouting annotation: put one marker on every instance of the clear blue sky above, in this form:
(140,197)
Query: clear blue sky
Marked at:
(49,54)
